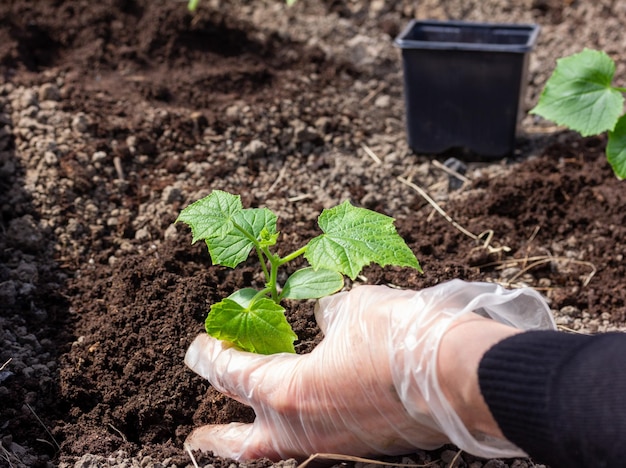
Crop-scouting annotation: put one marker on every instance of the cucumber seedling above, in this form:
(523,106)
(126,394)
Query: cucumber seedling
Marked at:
(253,319)
(581,96)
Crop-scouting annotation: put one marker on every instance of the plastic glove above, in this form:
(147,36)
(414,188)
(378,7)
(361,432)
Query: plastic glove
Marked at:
(370,387)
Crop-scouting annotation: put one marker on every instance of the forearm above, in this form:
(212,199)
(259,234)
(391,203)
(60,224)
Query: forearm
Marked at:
(460,352)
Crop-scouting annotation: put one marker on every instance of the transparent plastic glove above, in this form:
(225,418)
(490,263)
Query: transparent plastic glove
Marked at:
(370,387)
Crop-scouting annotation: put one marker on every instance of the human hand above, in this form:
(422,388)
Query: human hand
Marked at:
(371,386)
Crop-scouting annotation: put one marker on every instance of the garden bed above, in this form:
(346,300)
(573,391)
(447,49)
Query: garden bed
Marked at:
(115,115)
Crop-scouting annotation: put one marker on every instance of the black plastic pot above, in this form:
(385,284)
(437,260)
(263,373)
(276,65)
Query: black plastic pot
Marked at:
(464,84)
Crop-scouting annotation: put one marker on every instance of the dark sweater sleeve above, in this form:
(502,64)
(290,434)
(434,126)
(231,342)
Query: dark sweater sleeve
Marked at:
(560,397)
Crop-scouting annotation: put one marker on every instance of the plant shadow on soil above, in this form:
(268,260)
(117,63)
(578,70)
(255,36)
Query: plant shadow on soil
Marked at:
(108,304)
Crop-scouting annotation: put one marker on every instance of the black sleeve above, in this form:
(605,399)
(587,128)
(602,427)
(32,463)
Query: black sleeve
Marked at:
(560,397)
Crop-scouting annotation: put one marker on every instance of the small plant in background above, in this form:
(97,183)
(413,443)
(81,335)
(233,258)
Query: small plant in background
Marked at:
(581,96)
(253,319)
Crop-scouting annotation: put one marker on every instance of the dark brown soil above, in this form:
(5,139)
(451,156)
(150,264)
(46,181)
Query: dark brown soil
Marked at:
(150,107)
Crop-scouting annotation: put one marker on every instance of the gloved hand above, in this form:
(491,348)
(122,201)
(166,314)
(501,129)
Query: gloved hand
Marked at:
(370,387)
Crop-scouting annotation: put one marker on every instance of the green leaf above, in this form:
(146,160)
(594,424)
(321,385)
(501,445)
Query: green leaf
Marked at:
(616,148)
(211,216)
(353,238)
(259,328)
(248,227)
(244,296)
(310,284)
(230,232)
(579,94)
(192,5)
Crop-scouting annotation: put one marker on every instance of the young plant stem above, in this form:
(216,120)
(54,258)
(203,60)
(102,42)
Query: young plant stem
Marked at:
(246,233)
(291,256)
(273,281)
(275,263)
(260,294)
(262,261)
(264,254)
(258,249)
(273,276)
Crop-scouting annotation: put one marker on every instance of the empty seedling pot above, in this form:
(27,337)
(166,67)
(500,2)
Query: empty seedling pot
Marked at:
(464,84)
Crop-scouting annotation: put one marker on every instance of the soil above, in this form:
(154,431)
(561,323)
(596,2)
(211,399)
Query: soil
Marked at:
(114,115)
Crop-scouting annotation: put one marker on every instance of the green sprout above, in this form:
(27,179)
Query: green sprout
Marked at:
(580,95)
(253,319)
